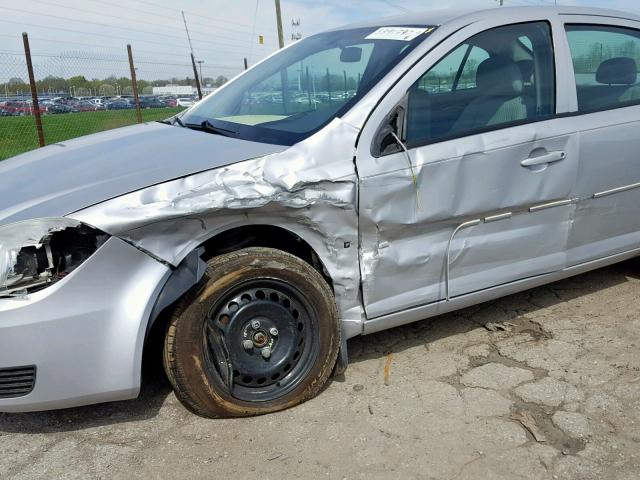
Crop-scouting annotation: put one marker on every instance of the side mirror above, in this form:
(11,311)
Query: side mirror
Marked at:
(386,141)
(351,55)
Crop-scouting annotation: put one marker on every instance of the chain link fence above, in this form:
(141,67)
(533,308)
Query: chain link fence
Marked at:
(79,93)
(17,130)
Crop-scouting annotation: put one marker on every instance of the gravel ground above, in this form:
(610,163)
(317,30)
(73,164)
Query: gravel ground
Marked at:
(543,384)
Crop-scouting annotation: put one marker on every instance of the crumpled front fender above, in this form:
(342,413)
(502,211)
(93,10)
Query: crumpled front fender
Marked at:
(309,189)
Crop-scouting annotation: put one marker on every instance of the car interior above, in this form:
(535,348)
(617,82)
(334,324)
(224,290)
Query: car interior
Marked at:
(513,82)
(616,82)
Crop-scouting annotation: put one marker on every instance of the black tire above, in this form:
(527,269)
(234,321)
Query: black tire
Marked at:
(214,374)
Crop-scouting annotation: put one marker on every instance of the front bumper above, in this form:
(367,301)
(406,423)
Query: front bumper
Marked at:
(85,334)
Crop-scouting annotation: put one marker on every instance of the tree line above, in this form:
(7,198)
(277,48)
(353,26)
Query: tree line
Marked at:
(81,86)
(598,52)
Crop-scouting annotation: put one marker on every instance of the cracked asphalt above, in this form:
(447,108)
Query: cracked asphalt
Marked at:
(540,385)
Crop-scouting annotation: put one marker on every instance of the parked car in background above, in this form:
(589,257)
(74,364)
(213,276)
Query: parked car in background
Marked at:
(118,104)
(20,107)
(170,102)
(58,108)
(185,102)
(151,102)
(82,105)
(257,233)
(98,102)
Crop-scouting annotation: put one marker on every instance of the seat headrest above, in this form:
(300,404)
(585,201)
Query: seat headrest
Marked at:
(499,76)
(617,71)
(527,67)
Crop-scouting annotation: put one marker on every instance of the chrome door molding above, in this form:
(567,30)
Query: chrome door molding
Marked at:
(613,191)
(470,223)
(545,206)
(490,219)
(496,218)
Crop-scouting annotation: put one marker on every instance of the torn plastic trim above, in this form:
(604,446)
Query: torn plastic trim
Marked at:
(35,254)
(182,279)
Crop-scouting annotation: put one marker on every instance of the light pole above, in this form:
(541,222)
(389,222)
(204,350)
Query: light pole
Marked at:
(200,62)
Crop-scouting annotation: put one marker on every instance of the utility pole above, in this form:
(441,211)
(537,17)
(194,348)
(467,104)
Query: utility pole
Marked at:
(193,59)
(200,62)
(134,84)
(279,20)
(35,110)
(187,30)
(284,78)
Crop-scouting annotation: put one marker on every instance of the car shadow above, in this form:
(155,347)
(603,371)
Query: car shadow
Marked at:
(156,387)
(512,309)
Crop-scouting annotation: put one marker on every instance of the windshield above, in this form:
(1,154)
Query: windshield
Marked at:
(298,91)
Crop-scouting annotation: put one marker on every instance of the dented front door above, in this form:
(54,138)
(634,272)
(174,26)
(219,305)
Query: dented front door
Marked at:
(466,211)
(475,215)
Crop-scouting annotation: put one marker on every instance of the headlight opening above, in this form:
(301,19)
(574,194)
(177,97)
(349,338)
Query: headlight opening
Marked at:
(41,254)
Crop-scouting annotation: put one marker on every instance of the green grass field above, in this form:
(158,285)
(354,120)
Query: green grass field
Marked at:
(18,134)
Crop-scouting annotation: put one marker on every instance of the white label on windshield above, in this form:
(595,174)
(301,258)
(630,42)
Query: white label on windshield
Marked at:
(396,33)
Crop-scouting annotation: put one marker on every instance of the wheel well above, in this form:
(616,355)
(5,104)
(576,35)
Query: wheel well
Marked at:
(265,236)
(232,240)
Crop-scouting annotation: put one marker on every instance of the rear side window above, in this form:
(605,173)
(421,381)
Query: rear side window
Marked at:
(500,77)
(605,61)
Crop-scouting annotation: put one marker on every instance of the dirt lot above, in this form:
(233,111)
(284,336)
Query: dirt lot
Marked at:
(555,395)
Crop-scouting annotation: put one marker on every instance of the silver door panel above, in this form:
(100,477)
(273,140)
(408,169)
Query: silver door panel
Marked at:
(406,227)
(491,254)
(607,217)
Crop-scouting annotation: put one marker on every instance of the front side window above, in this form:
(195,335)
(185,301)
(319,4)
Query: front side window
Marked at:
(296,92)
(605,61)
(456,71)
(495,78)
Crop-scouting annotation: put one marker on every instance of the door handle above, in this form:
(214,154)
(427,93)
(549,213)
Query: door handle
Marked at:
(544,159)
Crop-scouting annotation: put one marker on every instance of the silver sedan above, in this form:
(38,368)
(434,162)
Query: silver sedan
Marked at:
(360,179)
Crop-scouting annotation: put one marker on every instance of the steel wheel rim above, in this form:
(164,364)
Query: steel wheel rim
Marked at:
(248,373)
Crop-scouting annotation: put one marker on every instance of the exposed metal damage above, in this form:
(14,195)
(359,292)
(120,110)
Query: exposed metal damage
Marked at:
(309,189)
(37,253)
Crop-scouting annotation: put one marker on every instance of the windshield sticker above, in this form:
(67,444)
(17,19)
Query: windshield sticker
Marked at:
(405,34)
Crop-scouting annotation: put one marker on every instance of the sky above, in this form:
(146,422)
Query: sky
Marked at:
(89,37)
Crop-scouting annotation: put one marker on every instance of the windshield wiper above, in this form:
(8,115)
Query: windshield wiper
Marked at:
(207,126)
(172,121)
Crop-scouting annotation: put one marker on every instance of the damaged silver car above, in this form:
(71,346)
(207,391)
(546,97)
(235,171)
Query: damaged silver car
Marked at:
(360,179)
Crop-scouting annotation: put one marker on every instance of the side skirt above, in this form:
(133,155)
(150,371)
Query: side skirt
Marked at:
(456,303)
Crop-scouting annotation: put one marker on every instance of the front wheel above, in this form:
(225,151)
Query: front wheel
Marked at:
(259,334)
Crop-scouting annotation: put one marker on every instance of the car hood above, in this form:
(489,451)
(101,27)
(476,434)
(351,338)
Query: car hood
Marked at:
(66,177)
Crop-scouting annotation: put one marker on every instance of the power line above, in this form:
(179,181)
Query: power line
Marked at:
(112,60)
(138,20)
(116,27)
(194,22)
(94,45)
(128,39)
(392,5)
(191,13)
